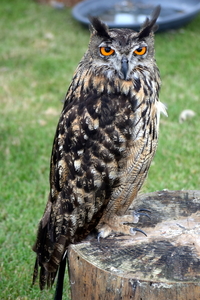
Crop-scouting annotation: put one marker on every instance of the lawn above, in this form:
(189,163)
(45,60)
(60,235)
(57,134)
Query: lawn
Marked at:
(40,49)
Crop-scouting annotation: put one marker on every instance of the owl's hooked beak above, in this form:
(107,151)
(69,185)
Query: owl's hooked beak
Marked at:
(124,67)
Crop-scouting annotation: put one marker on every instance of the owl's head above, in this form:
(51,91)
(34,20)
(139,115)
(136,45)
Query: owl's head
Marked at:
(118,52)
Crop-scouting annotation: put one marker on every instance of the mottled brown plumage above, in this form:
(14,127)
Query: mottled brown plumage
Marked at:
(104,144)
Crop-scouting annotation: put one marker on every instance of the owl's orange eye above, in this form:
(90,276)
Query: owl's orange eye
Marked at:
(106,51)
(140,50)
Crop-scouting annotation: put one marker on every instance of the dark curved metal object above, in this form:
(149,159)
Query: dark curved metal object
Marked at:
(131,14)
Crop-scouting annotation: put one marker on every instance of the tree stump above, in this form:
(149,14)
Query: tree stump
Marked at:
(165,265)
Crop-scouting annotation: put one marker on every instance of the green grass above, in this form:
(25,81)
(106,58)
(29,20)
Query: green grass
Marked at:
(40,49)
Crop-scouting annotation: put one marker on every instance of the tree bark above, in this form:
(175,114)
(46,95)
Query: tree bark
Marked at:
(165,265)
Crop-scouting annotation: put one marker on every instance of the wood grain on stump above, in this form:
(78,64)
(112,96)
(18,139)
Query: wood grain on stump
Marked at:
(163,265)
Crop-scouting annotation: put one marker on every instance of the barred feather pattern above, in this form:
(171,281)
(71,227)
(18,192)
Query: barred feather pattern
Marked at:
(104,144)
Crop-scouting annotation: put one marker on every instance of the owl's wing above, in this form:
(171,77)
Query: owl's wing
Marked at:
(84,170)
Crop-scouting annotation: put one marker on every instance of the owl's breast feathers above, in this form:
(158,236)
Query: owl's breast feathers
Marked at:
(103,147)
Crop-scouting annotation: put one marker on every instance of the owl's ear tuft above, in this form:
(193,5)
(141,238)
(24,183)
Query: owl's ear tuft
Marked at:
(150,25)
(98,27)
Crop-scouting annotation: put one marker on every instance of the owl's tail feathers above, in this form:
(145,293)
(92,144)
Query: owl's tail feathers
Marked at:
(46,278)
(47,270)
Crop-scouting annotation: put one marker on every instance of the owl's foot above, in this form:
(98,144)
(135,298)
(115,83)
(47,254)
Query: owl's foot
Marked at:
(107,231)
(104,232)
(121,224)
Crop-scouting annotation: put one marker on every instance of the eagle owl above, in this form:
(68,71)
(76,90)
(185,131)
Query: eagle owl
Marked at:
(104,143)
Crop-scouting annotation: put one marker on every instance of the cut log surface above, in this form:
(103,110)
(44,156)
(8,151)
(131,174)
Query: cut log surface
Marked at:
(165,265)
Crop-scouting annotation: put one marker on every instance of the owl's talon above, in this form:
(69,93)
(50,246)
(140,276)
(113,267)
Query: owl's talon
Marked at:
(140,212)
(98,237)
(143,209)
(104,232)
(146,215)
(133,229)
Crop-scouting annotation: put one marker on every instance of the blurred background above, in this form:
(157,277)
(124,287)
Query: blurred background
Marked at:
(41,45)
